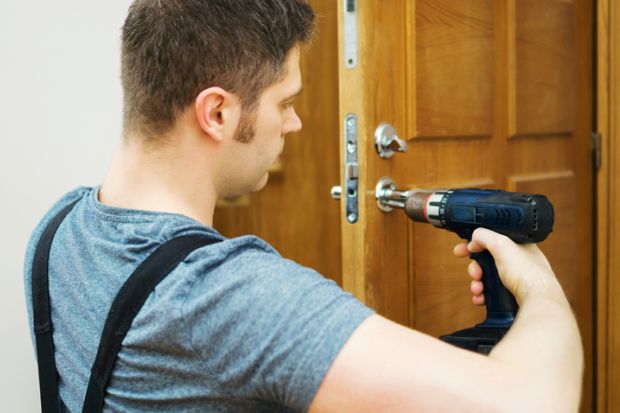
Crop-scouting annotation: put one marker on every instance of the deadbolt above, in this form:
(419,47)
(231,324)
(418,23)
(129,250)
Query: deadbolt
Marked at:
(336,192)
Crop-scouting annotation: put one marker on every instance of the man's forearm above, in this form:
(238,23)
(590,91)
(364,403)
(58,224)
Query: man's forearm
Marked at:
(543,351)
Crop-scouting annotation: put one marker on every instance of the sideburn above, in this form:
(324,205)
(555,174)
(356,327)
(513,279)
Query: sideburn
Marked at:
(247,124)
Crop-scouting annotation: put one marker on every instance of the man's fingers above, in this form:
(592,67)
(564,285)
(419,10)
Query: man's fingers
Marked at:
(476,287)
(474,270)
(484,239)
(461,250)
(478,299)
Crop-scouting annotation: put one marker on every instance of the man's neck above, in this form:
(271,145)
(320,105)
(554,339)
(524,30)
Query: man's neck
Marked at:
(168,178)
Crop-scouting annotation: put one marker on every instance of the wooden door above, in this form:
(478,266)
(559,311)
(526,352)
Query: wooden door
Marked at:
(487,94)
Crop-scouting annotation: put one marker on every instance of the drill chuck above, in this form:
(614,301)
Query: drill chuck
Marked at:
(416,205)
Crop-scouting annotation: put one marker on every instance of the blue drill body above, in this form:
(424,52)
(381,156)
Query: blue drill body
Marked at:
(525,218)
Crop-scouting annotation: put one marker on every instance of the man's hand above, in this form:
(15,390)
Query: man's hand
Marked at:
(523,268)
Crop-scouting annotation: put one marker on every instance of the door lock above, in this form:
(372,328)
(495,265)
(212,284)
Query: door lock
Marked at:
(387,141)
(388,197)
(351,175)
(336,192)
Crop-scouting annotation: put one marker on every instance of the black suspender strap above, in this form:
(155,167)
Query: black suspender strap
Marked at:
(42,318)
(124,309)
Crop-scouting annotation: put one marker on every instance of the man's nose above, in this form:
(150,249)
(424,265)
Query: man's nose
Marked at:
(294,123)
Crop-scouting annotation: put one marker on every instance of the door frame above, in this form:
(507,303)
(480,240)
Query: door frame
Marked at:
(607,241)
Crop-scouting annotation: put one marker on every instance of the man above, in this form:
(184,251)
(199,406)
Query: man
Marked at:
(209,87)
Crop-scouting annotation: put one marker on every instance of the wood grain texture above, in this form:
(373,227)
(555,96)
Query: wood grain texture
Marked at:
(545,66)
(608,207)
(614,209)
(384,50)
(584,189)
(295,212)
(604,393)
(351,100)
(374,268)
(454,45)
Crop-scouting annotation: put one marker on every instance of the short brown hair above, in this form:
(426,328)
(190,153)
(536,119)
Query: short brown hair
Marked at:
(174,49)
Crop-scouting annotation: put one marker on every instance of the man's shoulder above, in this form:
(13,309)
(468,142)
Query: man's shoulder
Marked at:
(63,202)
(246,257)
(247,254)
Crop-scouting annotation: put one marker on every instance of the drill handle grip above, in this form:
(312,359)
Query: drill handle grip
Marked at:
(500,304)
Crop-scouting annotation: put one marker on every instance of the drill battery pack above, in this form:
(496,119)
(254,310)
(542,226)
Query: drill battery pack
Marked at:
(478,339)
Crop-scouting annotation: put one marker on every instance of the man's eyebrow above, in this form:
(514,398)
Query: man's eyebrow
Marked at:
(294,95)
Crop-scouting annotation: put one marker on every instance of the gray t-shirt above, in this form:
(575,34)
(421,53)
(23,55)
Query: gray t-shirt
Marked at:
(234,328)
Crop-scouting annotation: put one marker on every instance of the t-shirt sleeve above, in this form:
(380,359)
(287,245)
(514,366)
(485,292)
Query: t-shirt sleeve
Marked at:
(267,328)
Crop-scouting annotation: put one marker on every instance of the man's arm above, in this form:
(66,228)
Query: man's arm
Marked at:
(385,367)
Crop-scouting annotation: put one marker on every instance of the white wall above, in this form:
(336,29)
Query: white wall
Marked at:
(60,120)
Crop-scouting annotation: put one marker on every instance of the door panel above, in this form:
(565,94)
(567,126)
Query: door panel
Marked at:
(453,46)
(545,67)
(487,94)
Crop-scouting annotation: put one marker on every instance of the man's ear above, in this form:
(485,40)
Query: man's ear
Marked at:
(217,112)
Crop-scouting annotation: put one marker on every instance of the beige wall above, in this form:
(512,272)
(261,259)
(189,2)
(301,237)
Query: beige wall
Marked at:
(59,123)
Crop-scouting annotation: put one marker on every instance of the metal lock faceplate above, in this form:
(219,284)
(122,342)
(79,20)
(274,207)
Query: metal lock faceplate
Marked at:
(351,172)
(350,33)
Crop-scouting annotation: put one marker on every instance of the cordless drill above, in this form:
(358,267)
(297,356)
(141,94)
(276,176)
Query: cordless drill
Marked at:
(524,218)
